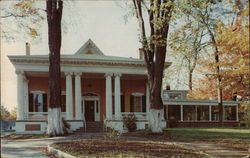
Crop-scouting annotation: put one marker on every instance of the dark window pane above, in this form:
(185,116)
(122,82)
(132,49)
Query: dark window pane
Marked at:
(122,104)
(229,112)
(189,113)
(45,108)
(174,112)
(144,103)
(131,103)
(31,101)
(63,102)
(203,113)
(215,113)
(113,105)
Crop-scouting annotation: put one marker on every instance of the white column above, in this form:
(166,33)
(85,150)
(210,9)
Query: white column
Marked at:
(20,95)
(69,98)
(147,99)
(78,96)
(26,99)
(181,112)
(108,96)
(237,112)
(210,113)
(117,96)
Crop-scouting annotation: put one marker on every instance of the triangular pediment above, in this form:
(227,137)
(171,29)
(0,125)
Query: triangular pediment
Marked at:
(89,48)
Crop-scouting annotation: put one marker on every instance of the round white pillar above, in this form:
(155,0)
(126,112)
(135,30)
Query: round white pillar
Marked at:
(78,96)
(108,96)
(117,97)
(20,95)
(69,99)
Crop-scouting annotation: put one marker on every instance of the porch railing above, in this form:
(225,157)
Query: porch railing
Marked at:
(138,115)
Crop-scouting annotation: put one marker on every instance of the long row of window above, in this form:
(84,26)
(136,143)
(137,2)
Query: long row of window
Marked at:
(199,113)
(38,103)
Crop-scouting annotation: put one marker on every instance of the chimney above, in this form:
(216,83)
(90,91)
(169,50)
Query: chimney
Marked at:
(141,54)
(167,87)
(27,46)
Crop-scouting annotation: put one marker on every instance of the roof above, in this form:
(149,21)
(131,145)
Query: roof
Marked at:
(89,47)
(88,53)
(197,102)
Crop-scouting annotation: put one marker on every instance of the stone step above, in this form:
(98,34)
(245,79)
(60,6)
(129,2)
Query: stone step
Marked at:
(91,127)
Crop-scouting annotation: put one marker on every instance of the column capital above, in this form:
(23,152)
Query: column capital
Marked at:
(68,73)
(77,73)
(108,74)
(19,72)
(117,74)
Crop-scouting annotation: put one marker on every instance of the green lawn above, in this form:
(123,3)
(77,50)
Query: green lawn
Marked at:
(234,137)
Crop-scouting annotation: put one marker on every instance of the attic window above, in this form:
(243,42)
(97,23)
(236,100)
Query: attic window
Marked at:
(88,52)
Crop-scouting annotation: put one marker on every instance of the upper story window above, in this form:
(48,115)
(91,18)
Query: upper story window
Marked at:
(38,102)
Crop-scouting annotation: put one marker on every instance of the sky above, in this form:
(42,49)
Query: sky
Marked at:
(101,21)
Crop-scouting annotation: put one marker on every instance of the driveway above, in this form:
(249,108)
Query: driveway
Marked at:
(32,148)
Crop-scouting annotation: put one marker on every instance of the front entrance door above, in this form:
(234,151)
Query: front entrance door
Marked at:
(89,110)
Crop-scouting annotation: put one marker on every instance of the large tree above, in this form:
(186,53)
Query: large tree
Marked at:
(154,49)
(54,17)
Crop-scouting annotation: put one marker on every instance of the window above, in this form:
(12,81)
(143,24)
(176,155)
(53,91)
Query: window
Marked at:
(215,113)
(203,113)
(37,102)
(137,103)
(189,113)
(174,112)
(229,112)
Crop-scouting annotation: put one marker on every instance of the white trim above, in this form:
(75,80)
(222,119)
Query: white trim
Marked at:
(181,111)
(38,92)
(137,94)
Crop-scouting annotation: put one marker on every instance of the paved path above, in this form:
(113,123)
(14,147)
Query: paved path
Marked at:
(32,148)
(212,149)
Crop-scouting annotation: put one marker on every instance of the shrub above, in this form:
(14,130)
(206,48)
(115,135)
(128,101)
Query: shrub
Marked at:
(129,122)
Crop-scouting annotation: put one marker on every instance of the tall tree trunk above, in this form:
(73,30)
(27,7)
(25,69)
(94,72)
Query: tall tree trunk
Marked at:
(54,16)
(190,80)
(154,54)
(218,77)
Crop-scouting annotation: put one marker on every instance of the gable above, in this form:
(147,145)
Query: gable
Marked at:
(89,48)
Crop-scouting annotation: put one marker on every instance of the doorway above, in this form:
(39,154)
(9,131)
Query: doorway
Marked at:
(91,107)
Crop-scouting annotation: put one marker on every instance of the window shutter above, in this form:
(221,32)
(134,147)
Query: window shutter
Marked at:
(144,106)
(131,103)
(31,103)
(113,105)
(63,102)
(45,107)
(122,104)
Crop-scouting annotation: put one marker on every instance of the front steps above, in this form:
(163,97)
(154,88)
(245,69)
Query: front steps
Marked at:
(91,127)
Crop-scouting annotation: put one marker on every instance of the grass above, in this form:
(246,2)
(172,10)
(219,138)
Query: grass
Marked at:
(231,137)
(25,136)
(125,148)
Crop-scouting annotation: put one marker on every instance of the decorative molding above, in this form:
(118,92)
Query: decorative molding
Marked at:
(117,74)
(108,75)
(19,72)
(78,74)
(137,94)
(68,73)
